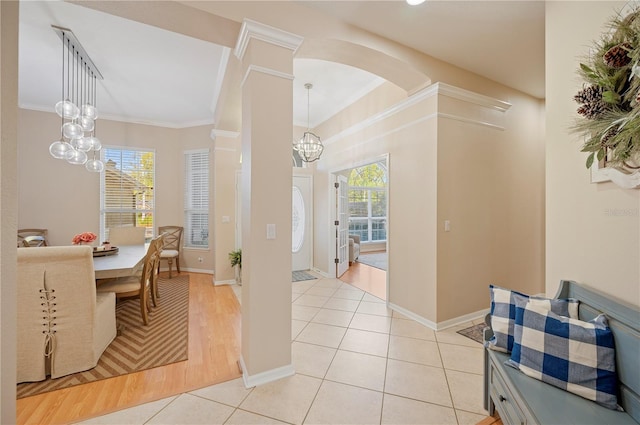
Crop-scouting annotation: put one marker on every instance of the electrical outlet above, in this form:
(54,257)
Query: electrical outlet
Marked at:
(200,260)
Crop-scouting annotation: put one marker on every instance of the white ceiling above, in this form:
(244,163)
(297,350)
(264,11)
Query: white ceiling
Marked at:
(157,77)
(150,75)
(502,40)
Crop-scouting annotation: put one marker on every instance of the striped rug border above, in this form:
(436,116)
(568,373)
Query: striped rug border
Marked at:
(136,347)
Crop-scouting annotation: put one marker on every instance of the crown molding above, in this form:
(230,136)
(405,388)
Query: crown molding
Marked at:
(215,133)
(472,97)
(252,29)
(129,120)
(427,92)
(267,71)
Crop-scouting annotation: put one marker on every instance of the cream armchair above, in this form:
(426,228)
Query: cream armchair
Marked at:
(354,248)
(63,325)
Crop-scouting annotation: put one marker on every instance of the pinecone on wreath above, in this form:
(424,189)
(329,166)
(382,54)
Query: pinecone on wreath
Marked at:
(618,56)
(607,136)
(592,103)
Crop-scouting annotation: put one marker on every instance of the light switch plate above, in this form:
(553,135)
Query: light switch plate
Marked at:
(271,231)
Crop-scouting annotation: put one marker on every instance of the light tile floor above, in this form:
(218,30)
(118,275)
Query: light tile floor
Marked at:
(356,362)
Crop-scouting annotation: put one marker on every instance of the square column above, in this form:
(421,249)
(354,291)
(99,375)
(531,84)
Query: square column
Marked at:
(267,127)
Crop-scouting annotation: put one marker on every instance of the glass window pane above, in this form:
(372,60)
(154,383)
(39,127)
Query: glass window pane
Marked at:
(358,203)
(379,230)
(378,203)
(360,228)
(196,198)
(127,190)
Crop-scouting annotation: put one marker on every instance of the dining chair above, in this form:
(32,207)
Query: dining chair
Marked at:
(171,248)
(156,247)
(32,237)
(127,235)
(135,286)
(63,324)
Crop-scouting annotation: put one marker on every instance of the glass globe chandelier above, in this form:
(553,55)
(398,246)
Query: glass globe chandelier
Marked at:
(78,142)
(309,146)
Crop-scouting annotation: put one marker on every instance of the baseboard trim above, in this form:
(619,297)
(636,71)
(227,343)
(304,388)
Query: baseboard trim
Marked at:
(224,282)
(320,272)
(413,316)
(462,319)
(266,376)
(439,326)
(187,269)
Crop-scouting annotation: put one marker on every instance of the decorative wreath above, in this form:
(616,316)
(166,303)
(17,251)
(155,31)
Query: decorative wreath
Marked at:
(610,97)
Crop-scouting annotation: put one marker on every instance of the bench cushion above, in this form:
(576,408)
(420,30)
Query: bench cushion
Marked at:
(570,354)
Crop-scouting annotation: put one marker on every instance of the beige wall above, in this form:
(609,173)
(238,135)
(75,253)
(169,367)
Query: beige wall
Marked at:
(449,159)
(226,165)
(490,188)
(66,199)
(593,230)
(8,220)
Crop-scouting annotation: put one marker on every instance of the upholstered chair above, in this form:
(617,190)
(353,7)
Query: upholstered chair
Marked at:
(354,248)
(127,235)
(63,325)
(172,243)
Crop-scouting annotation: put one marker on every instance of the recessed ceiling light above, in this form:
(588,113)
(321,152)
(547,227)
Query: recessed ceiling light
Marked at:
(415,2)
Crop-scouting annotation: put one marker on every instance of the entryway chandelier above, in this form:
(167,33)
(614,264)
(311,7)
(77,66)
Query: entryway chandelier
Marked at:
(309,146)
(78,129)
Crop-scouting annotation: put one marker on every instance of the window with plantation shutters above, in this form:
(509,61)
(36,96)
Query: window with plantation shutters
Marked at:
(196,198)
(127,196)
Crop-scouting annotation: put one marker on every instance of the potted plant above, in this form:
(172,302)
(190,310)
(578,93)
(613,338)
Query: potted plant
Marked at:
(236,260)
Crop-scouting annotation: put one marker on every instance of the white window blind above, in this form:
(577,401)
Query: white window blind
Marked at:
(127,195)
(196,198)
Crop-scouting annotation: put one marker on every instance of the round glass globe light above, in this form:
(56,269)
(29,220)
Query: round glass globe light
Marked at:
(95,166)
(72,130)
(76,157)
(89,111)
(86,123)
(67,110)
(59,149)
(84,144)
(96,145)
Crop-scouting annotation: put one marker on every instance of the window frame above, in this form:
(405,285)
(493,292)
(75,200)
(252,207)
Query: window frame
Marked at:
(370,218)
(104,210)
(188,196)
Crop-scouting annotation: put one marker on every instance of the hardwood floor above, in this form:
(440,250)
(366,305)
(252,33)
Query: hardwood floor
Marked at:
(491,420)
(214,351)
(367,278)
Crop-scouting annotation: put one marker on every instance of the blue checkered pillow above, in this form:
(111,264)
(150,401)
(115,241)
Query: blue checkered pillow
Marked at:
(576,356)
(503,314)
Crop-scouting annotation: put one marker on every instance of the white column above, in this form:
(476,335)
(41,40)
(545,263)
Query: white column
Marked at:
(267,127)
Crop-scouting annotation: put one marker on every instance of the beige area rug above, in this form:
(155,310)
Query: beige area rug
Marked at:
(137,347)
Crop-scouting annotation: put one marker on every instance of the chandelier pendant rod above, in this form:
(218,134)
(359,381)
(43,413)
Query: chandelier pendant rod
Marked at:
(67,36)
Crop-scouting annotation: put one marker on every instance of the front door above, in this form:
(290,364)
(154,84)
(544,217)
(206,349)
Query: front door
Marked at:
(301,225)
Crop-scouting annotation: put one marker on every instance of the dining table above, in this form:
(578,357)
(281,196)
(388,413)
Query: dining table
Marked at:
(126,262)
